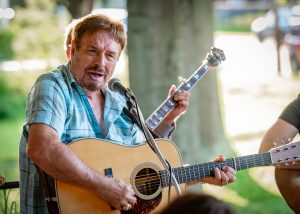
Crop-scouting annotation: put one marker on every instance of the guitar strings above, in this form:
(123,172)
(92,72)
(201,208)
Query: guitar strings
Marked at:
(142,179)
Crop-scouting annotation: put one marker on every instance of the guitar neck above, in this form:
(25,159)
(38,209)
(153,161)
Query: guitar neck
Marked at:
(164,109)
(195,172)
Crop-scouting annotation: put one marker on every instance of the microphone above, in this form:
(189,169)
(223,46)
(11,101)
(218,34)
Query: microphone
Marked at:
(115,85)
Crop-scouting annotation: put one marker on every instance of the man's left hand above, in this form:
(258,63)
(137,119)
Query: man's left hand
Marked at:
(222,177)
(182,99)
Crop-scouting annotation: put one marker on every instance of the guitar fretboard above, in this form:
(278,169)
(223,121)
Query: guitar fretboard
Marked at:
(204,170)
(162,111)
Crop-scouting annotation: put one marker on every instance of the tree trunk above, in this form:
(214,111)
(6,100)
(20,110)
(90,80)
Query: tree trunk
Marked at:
(167,39)
(78,8)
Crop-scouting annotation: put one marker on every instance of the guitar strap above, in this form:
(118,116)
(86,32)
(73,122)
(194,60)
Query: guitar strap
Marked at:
(49,189)
(135,120)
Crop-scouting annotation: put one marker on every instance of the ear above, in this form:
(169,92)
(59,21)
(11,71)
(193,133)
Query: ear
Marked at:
(72,48)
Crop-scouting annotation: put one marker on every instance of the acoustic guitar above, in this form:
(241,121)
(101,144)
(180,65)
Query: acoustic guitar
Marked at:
(140,167)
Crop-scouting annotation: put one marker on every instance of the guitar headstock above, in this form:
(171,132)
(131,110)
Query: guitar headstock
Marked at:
(286,153)
(215,57)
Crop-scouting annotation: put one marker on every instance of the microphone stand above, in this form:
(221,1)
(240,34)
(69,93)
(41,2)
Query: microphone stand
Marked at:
(135,111)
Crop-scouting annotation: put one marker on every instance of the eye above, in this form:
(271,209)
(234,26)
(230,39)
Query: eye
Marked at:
(91,51)
(111,56)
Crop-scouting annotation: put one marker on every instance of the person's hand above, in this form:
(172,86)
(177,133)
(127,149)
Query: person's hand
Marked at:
(222,177)
(183,99)
(118,194)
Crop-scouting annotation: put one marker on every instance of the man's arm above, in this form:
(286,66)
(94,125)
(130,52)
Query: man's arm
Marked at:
(59,161)
(280,131)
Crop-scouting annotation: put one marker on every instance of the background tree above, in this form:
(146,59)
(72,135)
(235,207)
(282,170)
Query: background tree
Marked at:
(167,39)
(77,8)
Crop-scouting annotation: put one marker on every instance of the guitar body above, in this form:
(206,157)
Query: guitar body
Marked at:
(288,182)
(126,163)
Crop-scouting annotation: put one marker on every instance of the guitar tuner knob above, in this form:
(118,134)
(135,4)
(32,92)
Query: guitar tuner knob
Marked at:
(287,164)
(274,143)
(294,163)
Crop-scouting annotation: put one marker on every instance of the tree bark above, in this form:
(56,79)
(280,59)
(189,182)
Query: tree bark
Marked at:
(78,8)
(167,39)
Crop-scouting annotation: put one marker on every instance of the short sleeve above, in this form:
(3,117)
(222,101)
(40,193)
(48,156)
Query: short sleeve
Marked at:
(46,104)
(291,113)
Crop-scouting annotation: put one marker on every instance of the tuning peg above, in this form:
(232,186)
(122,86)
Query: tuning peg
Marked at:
(275,143)
(282,142)
(290,140)
(287,164)
(181,79)
(294,163)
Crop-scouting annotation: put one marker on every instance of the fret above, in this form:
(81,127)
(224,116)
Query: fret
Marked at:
(251,161)
(203,170)
(239,164)
(192,172)
(211,168)
(184,174)
(206,171)
(195,172)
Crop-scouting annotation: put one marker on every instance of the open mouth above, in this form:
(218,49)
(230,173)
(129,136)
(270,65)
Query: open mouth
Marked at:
(96,75)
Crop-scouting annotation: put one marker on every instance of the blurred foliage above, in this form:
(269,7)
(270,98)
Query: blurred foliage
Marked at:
(14,88)
(12,99)
(17,2)
(6,38)
(38,31)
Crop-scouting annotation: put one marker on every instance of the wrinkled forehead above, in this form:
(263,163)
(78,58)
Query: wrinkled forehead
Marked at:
(101,40)
(103,36)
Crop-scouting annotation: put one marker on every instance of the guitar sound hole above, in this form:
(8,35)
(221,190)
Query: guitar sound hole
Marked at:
(146,181)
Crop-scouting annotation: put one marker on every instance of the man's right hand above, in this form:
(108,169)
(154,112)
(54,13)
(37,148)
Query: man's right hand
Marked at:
(118,194)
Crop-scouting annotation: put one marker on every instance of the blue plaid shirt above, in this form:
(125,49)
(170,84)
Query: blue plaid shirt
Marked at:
(58,101)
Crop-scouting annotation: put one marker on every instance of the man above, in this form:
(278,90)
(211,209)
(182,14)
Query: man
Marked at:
(285,128)
(74,102)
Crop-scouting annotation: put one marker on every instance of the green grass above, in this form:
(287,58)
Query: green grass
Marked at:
(259,200)
(10,132)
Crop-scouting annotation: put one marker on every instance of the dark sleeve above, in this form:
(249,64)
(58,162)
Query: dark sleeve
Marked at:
(291,113)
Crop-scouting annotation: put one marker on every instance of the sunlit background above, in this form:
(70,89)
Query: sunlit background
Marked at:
(257,80)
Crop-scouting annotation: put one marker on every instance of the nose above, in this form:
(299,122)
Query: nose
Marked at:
(101,60)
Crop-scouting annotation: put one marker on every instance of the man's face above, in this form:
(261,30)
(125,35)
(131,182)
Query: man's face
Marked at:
(94,62)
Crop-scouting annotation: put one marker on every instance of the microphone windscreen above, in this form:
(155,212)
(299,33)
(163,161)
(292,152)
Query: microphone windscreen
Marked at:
(112,84)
